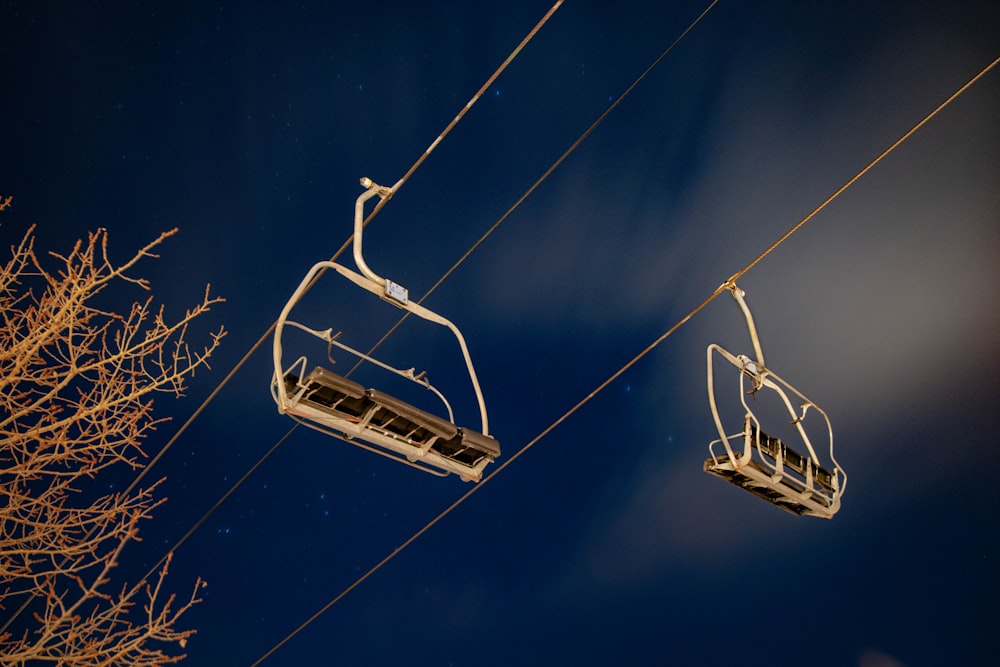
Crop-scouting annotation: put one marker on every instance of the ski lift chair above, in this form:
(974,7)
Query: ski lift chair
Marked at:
(793,478)
(340,407)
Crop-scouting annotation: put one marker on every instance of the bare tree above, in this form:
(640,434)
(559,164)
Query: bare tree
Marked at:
(76,388)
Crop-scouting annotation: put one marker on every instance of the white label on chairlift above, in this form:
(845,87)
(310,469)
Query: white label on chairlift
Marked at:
(396,292)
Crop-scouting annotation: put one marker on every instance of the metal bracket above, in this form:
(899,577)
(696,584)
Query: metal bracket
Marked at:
(396,292)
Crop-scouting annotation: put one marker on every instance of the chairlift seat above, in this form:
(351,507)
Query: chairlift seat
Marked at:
(476,440)
(330,393)
(752,483)
(469,447)
(391,423)
(793,493)
(336,382)
(414,415)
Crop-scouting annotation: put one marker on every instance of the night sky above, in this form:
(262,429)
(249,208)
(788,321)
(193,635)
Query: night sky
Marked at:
(247,125)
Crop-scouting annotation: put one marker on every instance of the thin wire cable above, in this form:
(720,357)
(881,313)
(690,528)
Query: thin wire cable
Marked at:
(864,171)
(270,329)
(219,502)
(541,179)
(479,93)
(614,376)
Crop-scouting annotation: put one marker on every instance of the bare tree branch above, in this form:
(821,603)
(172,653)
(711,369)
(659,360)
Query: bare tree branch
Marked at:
(76,389)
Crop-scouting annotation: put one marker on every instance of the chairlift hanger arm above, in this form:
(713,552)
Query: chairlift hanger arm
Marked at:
(371,190)
(739,295)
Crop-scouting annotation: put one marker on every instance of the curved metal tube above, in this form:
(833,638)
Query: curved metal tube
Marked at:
(738,294)
(371,190)
(279,327)
(711,401)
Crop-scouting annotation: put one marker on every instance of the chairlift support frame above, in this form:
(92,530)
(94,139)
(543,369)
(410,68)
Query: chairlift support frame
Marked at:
(368,418)
(760,463)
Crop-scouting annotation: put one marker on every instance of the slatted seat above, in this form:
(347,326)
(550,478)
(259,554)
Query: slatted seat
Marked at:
(787,491)
(399,416)
(331,392)
(391,423)
(785,498)
(469,447)
(740,479)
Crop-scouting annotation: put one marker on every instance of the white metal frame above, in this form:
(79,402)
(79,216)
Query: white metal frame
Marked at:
(797,491)
(398,296)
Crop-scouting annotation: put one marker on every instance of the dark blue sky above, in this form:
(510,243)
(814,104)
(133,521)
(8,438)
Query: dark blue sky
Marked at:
(248,125)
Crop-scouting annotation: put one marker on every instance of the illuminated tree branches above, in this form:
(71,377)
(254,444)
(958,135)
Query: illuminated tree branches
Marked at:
(76,388)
